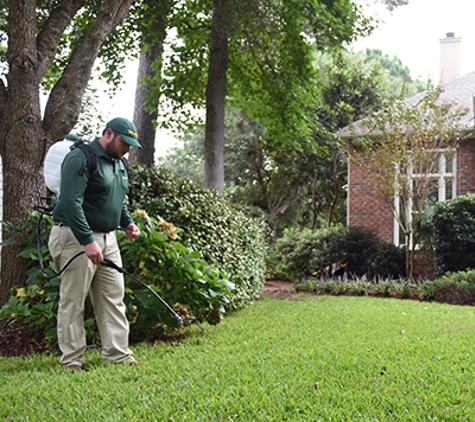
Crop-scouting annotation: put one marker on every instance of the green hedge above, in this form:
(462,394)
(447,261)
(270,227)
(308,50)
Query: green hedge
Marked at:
(233,240)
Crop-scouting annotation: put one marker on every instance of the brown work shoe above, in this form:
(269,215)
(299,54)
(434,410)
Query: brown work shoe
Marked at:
(136,362)
(75,367)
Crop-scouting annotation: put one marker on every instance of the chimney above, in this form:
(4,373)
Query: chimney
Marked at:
(449,57)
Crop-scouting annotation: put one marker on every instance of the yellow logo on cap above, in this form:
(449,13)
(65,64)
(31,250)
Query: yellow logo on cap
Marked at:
(131,132)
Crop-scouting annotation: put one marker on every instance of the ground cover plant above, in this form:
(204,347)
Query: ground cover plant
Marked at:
(316,358)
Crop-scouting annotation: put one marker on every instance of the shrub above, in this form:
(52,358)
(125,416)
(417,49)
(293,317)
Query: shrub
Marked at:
(35,305)
(388,261)
(233,240)
(196,289)
(456,288)
(451,228)
(305,253)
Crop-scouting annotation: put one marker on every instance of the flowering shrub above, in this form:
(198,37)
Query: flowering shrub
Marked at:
(196,290)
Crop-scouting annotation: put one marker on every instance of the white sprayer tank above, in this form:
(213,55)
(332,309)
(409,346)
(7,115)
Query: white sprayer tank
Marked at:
(52,168)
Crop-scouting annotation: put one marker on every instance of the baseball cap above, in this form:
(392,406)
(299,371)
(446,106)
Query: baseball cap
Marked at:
(126,128)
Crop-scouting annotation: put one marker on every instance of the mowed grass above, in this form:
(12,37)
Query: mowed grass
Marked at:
(319,358)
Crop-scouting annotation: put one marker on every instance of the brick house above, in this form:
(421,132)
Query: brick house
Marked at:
(457,172)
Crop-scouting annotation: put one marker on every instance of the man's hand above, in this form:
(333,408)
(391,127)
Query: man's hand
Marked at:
(93,252)
(132,231)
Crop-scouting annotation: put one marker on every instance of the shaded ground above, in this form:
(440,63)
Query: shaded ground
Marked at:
(15,340)
(279,289)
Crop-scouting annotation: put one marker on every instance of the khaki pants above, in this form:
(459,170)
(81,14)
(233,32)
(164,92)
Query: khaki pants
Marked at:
(106,287)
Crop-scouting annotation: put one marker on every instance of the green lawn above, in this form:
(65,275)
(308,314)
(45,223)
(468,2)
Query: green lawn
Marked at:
(316,359)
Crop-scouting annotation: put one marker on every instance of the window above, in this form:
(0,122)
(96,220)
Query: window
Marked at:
(443,187)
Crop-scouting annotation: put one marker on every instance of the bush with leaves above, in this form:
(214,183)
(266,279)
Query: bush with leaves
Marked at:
(450,232)
(35,305)
(457,288)
(197,291)
(231,239)
(303,253)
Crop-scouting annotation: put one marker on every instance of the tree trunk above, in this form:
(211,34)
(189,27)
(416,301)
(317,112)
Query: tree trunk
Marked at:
(24,136)
(215,97)
(314,200)
(143,119)
(150,65)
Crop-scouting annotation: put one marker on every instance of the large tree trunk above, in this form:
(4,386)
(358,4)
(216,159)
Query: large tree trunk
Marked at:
(144,119)
(150,65)
(215,97)
(24,136)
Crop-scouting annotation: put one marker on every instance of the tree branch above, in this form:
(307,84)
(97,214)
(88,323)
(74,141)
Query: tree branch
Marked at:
(64,103)
(52,31)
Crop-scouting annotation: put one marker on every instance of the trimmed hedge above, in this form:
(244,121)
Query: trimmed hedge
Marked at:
(457,288)
(233,240)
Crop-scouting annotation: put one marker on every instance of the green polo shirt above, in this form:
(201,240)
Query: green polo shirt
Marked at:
(93,202)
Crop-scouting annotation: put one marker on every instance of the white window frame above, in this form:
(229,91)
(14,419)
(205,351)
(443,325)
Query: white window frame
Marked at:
(442,177)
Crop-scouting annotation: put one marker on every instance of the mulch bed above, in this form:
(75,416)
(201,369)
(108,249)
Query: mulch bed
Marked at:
(16,340)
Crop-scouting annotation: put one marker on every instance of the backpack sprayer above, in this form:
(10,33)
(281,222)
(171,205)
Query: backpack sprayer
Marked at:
(52,174)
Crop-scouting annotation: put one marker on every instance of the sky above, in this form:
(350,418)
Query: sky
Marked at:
(412,33)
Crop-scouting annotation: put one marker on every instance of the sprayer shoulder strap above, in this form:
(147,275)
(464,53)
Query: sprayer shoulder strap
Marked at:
(89,153)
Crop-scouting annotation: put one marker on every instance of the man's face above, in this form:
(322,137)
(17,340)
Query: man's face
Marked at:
(116,146)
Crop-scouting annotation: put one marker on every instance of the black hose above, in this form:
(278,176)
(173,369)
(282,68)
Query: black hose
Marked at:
(43,211)
(109,263)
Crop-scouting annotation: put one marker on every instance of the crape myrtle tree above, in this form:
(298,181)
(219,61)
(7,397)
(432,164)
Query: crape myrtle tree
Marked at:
(400,148)
(37,52)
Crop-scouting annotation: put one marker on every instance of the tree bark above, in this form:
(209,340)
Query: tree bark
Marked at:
(215,97)
(144,119)
(155,22)
(24,135)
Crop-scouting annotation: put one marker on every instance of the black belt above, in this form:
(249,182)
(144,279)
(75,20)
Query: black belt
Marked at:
(61,224)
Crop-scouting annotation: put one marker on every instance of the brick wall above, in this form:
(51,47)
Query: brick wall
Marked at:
(365,208)
(466,167)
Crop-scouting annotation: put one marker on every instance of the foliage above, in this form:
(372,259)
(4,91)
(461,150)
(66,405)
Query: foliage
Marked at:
(270,72)
(454,287)
(357,250)
(118,48)
(400,141)
(197,291)
(390,260)
(306,187)
(359,286)
(232,240)
(399,77)
(35,305)
(450,232)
